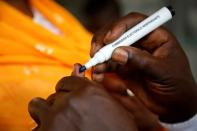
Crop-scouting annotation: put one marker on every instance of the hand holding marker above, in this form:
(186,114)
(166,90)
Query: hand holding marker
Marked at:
(131,36)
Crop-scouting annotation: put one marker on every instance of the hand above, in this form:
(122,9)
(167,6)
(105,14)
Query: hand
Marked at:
(144,119)
(80,105)
(155,68)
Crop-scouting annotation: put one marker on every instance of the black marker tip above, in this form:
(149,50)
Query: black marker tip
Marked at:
(171,10)
(82,69)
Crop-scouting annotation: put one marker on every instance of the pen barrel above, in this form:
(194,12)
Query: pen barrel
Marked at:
(143,28)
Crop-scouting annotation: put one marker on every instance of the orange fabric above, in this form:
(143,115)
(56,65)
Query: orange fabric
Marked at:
(33,59)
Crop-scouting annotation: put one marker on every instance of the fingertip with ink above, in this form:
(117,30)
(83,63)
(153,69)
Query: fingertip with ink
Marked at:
(76,70)
(82,69)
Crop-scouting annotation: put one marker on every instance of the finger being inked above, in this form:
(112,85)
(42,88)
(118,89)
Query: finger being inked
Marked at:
(76,71)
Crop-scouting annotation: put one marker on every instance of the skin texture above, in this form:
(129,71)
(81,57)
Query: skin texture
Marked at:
(81,104)
(155,68)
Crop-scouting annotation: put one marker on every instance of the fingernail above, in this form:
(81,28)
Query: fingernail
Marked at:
(120,56)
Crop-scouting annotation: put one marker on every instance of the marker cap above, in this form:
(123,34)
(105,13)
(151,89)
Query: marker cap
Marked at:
(171,10)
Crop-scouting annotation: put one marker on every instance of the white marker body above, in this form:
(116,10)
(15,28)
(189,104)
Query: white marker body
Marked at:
(131,36)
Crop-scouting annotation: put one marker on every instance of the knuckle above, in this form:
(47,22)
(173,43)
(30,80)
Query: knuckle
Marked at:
(37,104)
(99,36)
(34,102)
(51,99)
(118,29)
(119,24)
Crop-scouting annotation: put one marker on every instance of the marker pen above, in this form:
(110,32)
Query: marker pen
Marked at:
(131,36)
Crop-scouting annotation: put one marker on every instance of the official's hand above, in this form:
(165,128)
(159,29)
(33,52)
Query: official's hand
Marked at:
(155,68)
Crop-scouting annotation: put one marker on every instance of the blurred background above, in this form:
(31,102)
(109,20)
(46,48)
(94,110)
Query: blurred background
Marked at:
(94,14)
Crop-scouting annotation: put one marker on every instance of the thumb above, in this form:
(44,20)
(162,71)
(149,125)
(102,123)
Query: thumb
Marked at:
(140,59)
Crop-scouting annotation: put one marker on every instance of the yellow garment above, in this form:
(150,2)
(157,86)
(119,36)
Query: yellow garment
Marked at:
(33,59)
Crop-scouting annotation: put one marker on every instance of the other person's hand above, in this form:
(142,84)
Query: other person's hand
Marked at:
(80,105)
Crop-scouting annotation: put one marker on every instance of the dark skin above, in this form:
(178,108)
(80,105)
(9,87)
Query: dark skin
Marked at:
(81,104)
(145,120)
(155,68)
(75,106)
